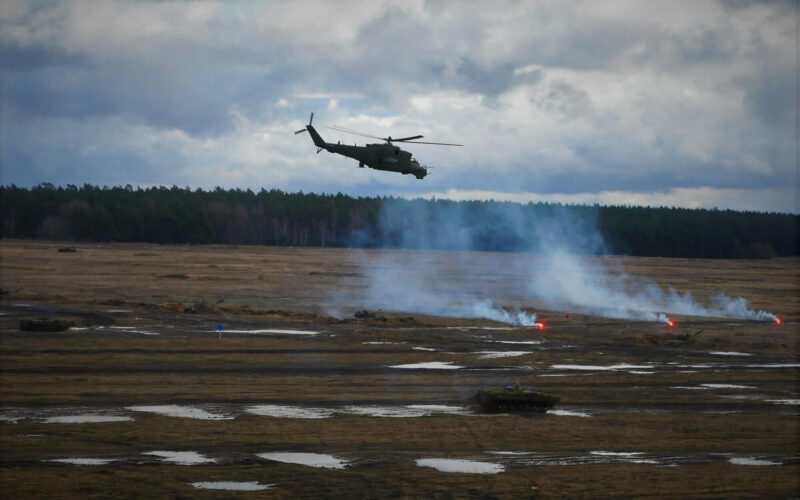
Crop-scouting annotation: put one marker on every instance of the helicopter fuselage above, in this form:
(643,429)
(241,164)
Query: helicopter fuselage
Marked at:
(386,156)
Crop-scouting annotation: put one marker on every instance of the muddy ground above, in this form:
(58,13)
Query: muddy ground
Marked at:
(708,409)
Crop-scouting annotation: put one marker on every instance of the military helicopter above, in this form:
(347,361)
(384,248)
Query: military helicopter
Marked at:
(384,156)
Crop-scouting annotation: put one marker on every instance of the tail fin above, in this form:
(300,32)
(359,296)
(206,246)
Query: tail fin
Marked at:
(318,141)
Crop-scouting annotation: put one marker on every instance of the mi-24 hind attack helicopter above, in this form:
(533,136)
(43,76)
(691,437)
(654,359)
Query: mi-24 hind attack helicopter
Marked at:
(384,156)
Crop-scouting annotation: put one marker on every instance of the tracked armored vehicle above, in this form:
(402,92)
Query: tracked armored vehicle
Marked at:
(45,325)
(514,399)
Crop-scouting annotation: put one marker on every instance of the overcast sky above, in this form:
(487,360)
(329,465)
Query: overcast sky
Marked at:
(618,102)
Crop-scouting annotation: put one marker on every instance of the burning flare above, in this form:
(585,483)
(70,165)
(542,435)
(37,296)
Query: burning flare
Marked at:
(778,321)
(539,325)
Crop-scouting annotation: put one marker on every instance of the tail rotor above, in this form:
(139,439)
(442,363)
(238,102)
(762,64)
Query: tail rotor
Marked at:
(310,120)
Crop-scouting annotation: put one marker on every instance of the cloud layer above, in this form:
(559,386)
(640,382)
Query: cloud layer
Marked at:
(665,103)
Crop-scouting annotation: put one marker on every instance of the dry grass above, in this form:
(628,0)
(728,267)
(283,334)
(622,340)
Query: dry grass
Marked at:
(183,292)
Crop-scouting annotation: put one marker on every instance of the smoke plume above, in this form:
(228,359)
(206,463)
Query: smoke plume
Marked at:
(569,282)
(559,266)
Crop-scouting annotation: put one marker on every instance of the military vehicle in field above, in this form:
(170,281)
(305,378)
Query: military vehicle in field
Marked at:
(45,325)
(514,399)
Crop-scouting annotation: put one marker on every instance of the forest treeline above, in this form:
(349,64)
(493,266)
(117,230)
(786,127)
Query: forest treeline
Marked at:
(273,217)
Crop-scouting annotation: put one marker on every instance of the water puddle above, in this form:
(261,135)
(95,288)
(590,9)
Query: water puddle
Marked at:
(271,331)
(85,419)
(501,354)
(632,457)
(424,349)
(727,386)
(464,466)
(83,461)
(593,457)
(568,413)
(509,453)
(729,353)
(382,342)
(232,485)
(180,412)
(121,329)
(430,365)
(181,457)
(526,342)
(309,459)
(793,402)
(282,411)
(617,367)
(703,387)
(598,457)
(63,415)
(751,461)
(777,366)
(408,411)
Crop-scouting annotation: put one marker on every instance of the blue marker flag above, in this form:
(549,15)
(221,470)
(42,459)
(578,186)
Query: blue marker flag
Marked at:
(219,328)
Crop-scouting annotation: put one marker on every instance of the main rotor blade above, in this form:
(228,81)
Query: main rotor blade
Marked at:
(407,140)
(434,143)
(300,131)
(348,131)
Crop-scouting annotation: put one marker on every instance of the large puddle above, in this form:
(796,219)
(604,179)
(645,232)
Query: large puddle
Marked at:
(464,466)
(523,342)
(180,412)
(751,461)
(85,419)
(568,413)
(406,411)
(594,368)
(601,457)
(270,331)
(703,387)
(181,457)
(63,415)
(282,411)
(309,459)
(83,461)
(232,485)
(501,354)
(792,402)
(430,365)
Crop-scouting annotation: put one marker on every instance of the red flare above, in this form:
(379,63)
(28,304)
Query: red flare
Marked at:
(778,321)
(670,323)
(539,325)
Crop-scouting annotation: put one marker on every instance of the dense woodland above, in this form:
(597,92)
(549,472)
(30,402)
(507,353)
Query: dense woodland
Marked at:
(182,215)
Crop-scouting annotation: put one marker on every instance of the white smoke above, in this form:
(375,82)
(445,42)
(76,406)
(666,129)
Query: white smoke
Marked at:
(485,309)
(564,281)
(562,276)
(423,287)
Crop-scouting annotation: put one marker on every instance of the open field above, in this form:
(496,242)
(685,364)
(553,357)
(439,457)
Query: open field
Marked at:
(706,410)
